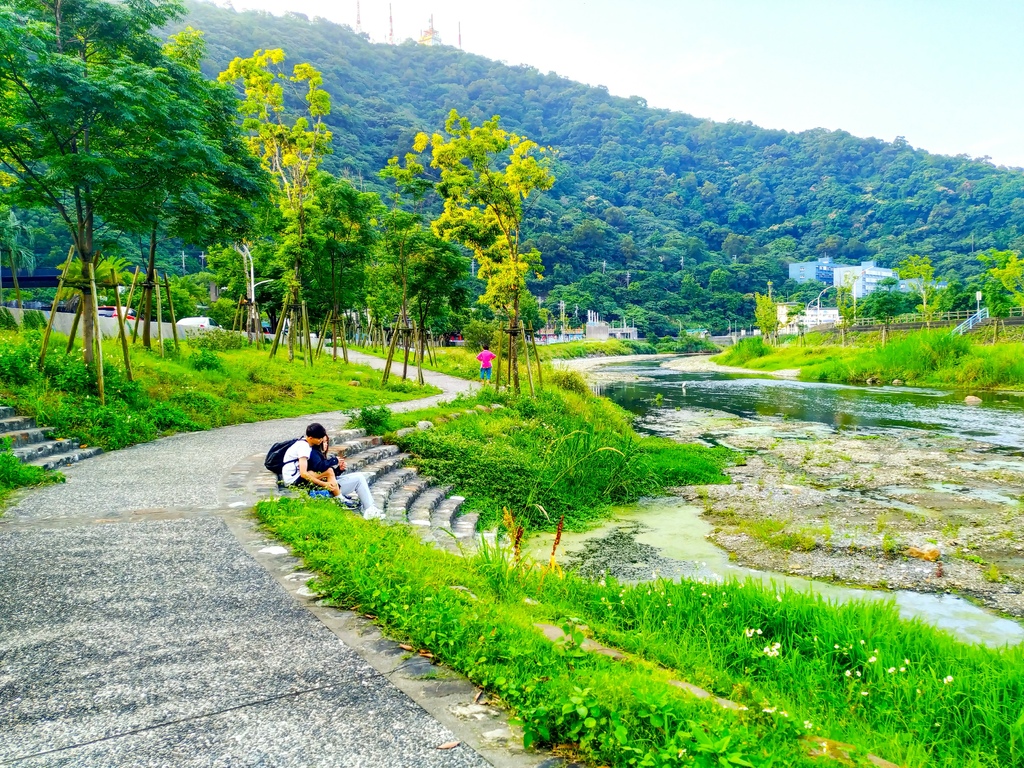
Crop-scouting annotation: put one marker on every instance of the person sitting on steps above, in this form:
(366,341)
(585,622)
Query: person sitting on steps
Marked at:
(296,471)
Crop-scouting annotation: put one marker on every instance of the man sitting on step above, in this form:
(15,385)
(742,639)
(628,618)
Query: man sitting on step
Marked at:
(298,471)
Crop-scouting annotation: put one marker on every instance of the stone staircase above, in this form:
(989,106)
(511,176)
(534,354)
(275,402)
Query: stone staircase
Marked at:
(31,444)
(405,495)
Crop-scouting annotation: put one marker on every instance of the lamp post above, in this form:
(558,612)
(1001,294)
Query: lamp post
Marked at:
(977,299)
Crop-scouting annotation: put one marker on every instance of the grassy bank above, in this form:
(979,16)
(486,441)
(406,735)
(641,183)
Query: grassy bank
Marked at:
(199,388)
(462,362)
(931,358)
(562,453)
(854,672)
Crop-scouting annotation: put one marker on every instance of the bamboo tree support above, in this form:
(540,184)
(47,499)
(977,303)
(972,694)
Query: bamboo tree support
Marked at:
(122,334)
(238,315)
(74,328)
(540,376)
(280,329)
(159,318)
(53,309)
(526,351)
(98,333)
(131,291)
(344,341)
(323,335)
(497,361)
(513,355)
(406,334)
(391,354)
(308,351)
(418,341)
(170,307)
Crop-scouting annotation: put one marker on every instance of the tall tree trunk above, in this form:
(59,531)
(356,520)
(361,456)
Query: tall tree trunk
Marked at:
(513,352)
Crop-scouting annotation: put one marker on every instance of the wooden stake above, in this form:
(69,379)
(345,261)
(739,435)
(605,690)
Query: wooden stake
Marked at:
(238,312)
(99,332)
(344,340)
(308,351)
(540,376)
(159,318)
(53,309)
(74,328)
(131,291)
(526,351)
(497,367)
(123,335)
(323,335)
(170,307)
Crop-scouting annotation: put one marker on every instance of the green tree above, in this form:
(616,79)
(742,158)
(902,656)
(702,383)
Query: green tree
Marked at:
(489,178)
(16,242)
(85,93)
(846,302)
(766,315)
(1008,270)
(290,149)
(885,303)
(920,274)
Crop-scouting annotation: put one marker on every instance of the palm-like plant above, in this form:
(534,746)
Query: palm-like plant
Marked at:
(16,244)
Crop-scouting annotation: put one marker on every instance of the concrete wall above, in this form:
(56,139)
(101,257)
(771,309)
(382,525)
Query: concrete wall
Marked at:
(108,325)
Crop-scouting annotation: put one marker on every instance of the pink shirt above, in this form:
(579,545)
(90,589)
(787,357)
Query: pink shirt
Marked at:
(485,358)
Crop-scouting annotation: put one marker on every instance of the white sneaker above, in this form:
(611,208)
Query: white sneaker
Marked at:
(373,513)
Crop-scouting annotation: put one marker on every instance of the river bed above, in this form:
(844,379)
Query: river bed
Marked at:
(836,485)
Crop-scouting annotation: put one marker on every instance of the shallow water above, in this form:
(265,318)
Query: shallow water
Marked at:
(667,538)
(998,420)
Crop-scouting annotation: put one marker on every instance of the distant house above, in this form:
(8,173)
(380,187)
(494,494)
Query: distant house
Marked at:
(820,270)
(598,330)
(794,317)
(863,279)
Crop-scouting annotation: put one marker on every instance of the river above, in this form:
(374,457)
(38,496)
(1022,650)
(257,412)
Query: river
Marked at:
(863,473)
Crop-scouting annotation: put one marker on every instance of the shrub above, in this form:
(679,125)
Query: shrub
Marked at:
(206,360)
(744,351)
(33,320)
(477,333)
(14,474)
(375,420)
(7,321)
(569,380)
(219,339)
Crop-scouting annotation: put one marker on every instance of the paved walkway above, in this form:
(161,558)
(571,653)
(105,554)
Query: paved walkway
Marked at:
(139,627)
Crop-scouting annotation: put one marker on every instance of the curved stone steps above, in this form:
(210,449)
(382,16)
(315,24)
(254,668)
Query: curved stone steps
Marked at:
(422,510)
(386,484)
(32,445)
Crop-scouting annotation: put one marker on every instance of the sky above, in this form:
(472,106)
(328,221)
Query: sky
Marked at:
(948,75)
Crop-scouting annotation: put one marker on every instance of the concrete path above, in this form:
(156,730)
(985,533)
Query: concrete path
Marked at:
(145,621)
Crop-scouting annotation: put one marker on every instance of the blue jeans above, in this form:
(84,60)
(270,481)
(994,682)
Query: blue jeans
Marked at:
(485,373)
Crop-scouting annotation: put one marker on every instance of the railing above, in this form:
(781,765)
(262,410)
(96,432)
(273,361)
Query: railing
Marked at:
(971,321)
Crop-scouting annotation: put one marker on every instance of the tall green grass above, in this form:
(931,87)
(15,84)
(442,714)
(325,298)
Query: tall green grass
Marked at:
(927,357)
(562,453)
(855,672)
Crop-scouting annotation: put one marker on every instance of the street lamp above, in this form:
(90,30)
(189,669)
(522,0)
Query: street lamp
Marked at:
(977,298)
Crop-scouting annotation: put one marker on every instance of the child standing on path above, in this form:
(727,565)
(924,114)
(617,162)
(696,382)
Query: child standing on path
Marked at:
(485,358)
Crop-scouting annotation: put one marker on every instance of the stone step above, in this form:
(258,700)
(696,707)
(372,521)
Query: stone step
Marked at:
(464,526)
(381,467)
(25,437)
(347,434)
(64,459)
(402,498)
(445,512)
(386,484)
(357,461)
(422,510)
(17,424)
(47,448)
(7,412)
(355,445)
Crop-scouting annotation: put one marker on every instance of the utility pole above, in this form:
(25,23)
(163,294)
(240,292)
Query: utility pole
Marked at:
(604,266)
(391,26)
(182,263)
(460,35)
(627,278)
(359,19)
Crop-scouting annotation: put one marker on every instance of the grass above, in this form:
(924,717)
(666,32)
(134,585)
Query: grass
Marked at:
(14,474)
(929,358)
(563,453)
(199,388)
(854,672)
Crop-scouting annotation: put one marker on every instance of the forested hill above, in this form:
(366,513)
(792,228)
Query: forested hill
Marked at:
(697,213)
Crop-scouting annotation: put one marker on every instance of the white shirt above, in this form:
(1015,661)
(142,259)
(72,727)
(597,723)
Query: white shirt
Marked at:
(290,471)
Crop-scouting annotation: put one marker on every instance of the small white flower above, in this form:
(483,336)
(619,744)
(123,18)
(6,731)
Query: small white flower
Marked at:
(863,693)
(872,660)
(903,669)
(858,673)
(808,724)
(907,662)
(862,642)
(849,673)
(779,598)
(947,679)
(891,670)
(759,631)
(836,646)
(784,714)
(769,710)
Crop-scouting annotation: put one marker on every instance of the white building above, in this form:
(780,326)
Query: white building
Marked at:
(862,279)
(796,317)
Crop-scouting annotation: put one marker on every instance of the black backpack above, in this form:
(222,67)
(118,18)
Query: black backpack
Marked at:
(275,456)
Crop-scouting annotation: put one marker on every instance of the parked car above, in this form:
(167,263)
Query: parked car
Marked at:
(197,323)
(126,312)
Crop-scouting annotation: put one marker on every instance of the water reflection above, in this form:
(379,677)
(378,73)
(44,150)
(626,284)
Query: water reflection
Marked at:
(999,419)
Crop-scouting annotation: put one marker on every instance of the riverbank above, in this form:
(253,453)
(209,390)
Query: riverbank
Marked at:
(922,358)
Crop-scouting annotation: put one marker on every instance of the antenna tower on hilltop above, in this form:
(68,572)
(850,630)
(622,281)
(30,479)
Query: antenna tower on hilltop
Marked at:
(460,35)
(430,36)
(359,19)
(391,26)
